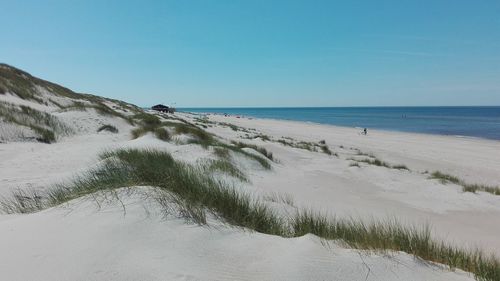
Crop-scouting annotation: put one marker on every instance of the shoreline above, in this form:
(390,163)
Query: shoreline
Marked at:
(329,184)
(311,180)
(248,117)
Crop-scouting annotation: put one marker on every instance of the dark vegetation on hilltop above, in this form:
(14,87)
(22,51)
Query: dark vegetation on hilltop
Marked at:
(24,85)
(47,126)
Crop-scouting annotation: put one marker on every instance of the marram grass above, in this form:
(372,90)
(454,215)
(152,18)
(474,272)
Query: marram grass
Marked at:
(199,193)
(466,187)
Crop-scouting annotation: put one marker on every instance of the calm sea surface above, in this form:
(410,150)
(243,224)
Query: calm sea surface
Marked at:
(477,121)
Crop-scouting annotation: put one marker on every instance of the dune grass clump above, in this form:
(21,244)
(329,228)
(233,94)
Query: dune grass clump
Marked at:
(231,126)
(495,190)
(44,135)
(204,120)
(22,202)
(325,149)
(222,153)
(226,167)
(149,123)
(162,134)
(147,120)
(296,145)
(197,194)
(275,197)
(445,178)
(98,105)
(362,153)
(108,128)
(400,167)
(466,187)
(263,137)
(377,162)
(261,160)
(393,236)
(46,126)
(191,184)
(206,140)
(202,137)
(310,146)
(261,150)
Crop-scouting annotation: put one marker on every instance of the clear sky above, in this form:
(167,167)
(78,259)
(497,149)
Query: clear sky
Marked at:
(261,53)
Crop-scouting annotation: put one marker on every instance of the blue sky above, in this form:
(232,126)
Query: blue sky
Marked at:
(261,53)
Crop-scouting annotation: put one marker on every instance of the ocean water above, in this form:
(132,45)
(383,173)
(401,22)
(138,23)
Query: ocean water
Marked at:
(474,121)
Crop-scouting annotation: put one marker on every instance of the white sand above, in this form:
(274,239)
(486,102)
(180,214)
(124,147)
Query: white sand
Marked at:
(80,242)
(328,183)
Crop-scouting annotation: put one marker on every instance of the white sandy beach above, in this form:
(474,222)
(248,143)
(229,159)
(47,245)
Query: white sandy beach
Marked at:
(237,140)
(329,184)
(83,240)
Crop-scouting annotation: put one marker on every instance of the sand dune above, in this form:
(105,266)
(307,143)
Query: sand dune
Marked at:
(130,239)
(329,184)
(82,242)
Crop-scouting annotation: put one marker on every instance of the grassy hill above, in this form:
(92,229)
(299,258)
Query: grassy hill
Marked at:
(30,107)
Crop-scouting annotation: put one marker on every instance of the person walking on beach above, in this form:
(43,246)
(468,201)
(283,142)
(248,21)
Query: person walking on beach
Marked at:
(365,131)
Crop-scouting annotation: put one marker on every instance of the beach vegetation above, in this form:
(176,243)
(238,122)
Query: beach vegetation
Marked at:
(445,178)
(310,146)
(108,128)
(28,87)
(362,153)
(325,149)
(222,153)
(226,167)
(466,187)
(149,123)
(162,134)
(197,194)
(261,160)
(263,137)
(206,140)
(204,120)
(201,136)
(261,150)
(284,198)
(377,162)
(391,235)
(46,126)
(234,127)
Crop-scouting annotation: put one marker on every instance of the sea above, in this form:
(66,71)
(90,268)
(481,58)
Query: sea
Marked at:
(463,121)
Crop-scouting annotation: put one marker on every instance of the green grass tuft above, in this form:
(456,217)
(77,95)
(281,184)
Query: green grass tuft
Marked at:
(261,160)
(445,178)
(226,167)
(162,134)
(466,187)
(261,150)
(149,123)
(377,162)
(198,193)
(109,128)
(222,153)
(47,127)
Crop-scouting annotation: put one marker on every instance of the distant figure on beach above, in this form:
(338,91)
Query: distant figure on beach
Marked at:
(365,131)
